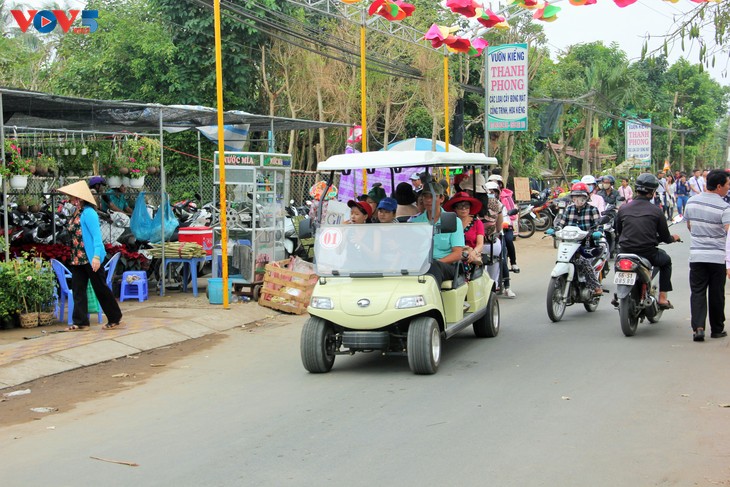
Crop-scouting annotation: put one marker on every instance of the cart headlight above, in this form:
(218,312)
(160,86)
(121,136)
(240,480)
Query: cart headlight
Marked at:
(321,303)
(410,302)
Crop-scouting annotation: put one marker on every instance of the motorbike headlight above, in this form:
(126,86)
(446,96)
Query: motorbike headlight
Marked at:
(410,302)
(318,302)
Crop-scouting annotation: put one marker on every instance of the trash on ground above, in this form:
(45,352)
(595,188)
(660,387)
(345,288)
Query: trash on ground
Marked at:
(120,462)
(724,405)
(117,376)
(22,392)
(565,398)
(684,395)
(157,365)
(44,410)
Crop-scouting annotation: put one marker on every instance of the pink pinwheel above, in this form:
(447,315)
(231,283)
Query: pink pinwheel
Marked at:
(477,46)
(392,10)
(623,3)
(467,8)
(488,18)
(457,44)
(548,13)
(579,3)
(437,35)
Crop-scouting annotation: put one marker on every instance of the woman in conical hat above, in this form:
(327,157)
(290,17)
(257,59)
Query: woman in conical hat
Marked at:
(87,253)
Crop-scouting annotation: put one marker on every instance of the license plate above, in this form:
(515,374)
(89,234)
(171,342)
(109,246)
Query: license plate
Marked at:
(627,278)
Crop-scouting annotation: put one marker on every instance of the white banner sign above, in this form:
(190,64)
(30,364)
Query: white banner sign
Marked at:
(638,141)
(507,87)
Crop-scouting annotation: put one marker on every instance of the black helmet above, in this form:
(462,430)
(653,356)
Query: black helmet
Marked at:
(646,183)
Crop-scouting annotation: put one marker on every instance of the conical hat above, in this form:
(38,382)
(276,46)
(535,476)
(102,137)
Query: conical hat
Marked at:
(80,190)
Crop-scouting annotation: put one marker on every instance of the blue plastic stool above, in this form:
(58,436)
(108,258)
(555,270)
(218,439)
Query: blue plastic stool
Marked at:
(136,288)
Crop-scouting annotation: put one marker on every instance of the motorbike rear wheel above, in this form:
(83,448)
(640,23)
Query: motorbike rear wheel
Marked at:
(555,301)
(526,227)
(543,221)
(627,315)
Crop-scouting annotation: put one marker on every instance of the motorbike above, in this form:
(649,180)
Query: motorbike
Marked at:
(543,214)
(637,292)
(526,221)
(567,286)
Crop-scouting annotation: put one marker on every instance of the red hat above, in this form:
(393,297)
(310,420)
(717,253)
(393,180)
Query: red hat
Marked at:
(476,205)
(363,206)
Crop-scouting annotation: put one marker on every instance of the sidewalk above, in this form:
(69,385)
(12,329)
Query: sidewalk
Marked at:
(157,322)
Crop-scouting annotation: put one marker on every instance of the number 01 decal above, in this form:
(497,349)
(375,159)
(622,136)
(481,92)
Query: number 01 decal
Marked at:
(330,238)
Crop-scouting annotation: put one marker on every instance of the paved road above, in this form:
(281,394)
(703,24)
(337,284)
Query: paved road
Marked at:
(568,404)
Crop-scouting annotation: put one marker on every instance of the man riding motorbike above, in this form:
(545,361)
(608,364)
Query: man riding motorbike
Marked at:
(641,225)
(584,216)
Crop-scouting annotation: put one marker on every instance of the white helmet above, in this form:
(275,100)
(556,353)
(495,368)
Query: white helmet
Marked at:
(491,185)
(588,180)
(496,177)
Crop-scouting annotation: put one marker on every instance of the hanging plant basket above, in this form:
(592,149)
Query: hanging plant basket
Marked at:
(136,183)
(114,181)
(18,182)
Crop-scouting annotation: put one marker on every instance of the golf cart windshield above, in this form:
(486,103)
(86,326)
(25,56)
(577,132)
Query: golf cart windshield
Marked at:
(373,250)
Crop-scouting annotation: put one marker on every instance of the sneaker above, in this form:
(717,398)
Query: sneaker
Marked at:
(515,269)
(508,293)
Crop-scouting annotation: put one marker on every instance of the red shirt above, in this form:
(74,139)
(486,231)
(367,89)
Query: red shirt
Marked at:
(472,231)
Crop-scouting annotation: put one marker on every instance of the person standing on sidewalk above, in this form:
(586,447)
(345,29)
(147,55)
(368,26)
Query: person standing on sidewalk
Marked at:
(87,252)
(708,220)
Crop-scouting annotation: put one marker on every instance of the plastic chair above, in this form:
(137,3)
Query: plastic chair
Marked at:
(66,295)
(110,267)
(132,288)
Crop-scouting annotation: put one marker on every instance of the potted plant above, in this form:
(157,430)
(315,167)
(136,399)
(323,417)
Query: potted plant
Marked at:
(45,164)
(17,168)
(34,283)
(24,202)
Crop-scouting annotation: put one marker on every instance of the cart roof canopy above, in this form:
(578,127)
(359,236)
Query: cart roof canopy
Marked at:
(400,159)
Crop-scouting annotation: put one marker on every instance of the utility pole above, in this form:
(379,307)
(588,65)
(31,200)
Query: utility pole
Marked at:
(671,132)
(727,145)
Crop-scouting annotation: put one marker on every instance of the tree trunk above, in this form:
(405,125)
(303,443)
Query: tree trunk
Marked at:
(509,147)
(669,132)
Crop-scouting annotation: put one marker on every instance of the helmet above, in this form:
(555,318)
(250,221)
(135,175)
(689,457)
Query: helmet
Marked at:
(491,186)
(496,177)
(94,180)
(646,183)
(575,181)
(610,178)
(579,189)
(588,179)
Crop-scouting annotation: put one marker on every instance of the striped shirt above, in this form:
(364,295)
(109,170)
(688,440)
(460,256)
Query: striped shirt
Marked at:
(708,214)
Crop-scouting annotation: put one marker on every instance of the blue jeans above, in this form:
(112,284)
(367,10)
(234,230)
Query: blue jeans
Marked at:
(681,203)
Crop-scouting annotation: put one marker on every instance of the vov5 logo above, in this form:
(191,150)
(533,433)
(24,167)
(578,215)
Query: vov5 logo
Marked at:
(45,21)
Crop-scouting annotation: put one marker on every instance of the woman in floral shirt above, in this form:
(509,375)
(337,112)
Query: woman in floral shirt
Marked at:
(87,253)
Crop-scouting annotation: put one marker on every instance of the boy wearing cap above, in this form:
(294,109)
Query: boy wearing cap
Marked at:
(360,212)
(386,210)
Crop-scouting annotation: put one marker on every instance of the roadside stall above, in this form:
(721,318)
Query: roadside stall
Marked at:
(258,189)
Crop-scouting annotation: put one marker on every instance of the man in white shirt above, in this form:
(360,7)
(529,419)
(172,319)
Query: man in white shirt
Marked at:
(708,218)
(661,191)
(696,183)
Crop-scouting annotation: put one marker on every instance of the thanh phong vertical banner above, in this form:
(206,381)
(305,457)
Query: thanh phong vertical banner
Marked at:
(507,87)
(638,141)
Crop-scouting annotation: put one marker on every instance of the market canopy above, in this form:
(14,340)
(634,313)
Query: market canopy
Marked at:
(29,109)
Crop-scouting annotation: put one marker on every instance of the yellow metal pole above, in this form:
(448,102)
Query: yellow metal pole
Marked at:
(363,102)
(221,150)
(446,108)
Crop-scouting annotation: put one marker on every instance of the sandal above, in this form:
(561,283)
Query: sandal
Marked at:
(77,328)
(111,326)
(667,305)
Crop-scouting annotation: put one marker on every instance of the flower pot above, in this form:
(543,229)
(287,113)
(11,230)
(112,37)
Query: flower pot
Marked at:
(124,170)
(34,208)
(114,181)
(136,183)
(41,170)
(152,170)
(23,208)
(18,182)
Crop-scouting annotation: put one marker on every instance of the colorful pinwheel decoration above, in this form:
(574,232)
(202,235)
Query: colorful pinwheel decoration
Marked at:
(549,13)
(624,3)
(392,10)
(467,8)
(443,36)
(489,19)
(580,3)
(528,4)
(351,2)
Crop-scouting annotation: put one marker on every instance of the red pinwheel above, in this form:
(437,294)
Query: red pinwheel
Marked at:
(467,8)
(529,4)
(488,18)
(392,10)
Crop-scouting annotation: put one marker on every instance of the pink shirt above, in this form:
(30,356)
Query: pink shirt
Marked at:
(476,229)
(626,192)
